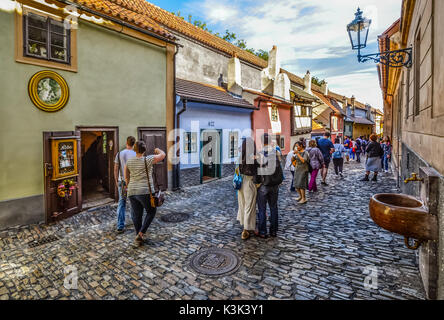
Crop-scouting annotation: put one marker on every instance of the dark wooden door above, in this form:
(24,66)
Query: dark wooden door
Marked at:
(57,208)
(211,155)
(156,138)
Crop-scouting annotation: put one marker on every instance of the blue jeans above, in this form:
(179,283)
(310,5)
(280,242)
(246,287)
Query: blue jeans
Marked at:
(385,162)
(352,154)
(121,207)
(292,188)
(268,195)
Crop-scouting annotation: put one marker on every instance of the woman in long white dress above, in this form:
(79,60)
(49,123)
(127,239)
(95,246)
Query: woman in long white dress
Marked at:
(247,194)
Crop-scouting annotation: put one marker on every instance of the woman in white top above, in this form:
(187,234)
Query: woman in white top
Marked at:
(138,190)
(289,165)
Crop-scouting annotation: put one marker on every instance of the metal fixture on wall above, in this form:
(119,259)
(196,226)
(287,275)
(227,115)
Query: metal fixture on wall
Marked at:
(358,31)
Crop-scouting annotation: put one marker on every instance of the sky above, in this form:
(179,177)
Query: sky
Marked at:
(310,35)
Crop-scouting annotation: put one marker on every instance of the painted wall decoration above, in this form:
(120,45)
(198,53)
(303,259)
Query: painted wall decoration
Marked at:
(64,158)
(48,91)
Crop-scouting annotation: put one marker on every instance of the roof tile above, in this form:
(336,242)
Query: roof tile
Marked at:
(201,92)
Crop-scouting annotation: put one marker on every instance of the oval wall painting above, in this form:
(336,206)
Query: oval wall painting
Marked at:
(48,91)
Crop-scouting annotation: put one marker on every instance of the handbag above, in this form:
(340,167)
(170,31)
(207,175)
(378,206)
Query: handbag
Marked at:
(156,199)
(237,180)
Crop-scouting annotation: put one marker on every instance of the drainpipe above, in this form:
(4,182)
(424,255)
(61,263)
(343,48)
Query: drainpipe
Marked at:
(176,167)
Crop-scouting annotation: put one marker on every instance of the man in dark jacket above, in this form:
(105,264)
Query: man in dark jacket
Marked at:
(270,178)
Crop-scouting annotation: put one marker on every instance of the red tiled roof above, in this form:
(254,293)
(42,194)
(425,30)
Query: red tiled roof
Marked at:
(272,99)
(327,102)
(205,93)
(126,11)
(175,23)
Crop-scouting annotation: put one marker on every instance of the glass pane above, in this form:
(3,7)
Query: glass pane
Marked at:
(297,111)
(59,54)
(58,27)
(37,21)
(298,123)
(58,40)
(66,157)
(37,34)
(37,49)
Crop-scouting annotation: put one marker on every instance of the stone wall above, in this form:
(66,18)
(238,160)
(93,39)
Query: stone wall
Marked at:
(196,62)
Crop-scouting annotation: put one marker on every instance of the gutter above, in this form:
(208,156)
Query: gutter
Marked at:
(120,22)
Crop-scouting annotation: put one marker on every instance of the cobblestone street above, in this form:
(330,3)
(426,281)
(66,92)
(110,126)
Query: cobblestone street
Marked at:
(324,250)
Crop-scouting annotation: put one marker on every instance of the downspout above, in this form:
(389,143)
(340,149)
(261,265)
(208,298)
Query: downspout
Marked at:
(176,168)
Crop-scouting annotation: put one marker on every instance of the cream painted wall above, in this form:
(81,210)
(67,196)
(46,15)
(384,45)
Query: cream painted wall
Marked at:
(120,82)
(424,133)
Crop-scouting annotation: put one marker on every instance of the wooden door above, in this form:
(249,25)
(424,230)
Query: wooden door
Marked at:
(156,138)
(210,154)
(54,143)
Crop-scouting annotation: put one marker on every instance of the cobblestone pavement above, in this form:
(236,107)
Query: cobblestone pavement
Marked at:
(327,249)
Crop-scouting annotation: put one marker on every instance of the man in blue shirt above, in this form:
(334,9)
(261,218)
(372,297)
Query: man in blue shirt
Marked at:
(327,148)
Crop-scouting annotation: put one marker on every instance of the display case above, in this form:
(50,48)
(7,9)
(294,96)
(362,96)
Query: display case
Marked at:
(64,159)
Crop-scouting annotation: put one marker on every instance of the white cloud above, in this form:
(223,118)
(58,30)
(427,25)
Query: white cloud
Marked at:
(304,29)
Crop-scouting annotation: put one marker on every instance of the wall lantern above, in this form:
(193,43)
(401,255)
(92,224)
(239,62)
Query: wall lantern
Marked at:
(358,31)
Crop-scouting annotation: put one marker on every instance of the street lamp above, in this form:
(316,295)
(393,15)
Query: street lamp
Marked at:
(358,31)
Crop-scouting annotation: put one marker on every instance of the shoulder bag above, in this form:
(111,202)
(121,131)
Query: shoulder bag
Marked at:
(156,199)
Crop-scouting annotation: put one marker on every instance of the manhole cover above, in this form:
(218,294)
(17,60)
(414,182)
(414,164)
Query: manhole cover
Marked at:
(175,217)
(215,262)
(41,242)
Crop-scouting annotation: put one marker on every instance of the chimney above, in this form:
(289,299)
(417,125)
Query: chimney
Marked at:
(274,65)
(281,86)
(324,89)
(234,76)
(307,82)
(353,100)
(271,72)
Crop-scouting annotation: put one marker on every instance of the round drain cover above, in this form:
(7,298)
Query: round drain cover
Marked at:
(175,217)
(215,262)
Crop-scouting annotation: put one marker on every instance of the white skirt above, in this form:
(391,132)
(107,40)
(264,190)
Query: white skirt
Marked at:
(246,199)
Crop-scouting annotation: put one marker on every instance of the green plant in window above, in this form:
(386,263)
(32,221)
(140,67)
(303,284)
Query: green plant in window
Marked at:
(33,48)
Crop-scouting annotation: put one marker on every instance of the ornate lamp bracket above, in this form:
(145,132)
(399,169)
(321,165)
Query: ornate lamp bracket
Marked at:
(395,59)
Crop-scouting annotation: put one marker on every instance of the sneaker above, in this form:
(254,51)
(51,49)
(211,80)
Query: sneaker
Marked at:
(262,236)
(138,242)
(386,171)
(120,231)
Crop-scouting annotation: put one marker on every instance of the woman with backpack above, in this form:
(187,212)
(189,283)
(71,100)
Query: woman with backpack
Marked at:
(316,163)
(301,160)
(374,154)
(338,157)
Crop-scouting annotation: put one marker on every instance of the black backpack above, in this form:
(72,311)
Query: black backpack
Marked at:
(274,179)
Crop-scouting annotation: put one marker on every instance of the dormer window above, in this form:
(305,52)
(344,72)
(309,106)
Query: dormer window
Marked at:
(46,38)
